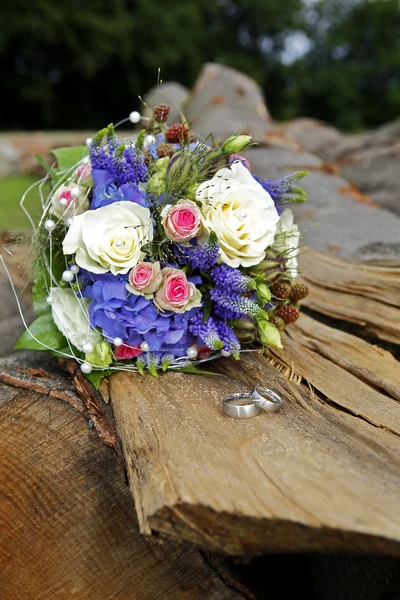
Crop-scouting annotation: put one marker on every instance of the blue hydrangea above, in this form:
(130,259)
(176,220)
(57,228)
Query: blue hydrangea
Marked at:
(135,319)
(107,192)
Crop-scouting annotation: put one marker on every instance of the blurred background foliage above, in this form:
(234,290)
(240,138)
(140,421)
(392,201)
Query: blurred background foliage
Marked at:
(75,64)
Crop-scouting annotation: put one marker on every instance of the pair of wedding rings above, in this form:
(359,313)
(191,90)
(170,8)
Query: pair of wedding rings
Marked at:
(261,399)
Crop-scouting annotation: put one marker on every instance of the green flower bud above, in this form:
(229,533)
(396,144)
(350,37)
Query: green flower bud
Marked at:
(160,166)
(101,356)
(181,168)
(157,184)
(235,143)
(268,334)
(263,292)
(191,191)
(264,266)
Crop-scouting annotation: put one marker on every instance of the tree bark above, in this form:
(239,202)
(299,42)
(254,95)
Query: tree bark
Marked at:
(67,525)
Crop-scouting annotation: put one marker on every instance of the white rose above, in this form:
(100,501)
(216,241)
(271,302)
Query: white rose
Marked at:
(70,314)
(68,201)
(242,214)
(109,238)
(287,241)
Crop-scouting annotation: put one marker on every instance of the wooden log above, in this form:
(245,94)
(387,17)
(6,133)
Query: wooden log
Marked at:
(322,474)
(365,279)
(361,293)
(309,478)
(67,526)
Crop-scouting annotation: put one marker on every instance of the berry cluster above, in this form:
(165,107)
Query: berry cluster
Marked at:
(161,112)
(287,297)
(165,150)
(177,133)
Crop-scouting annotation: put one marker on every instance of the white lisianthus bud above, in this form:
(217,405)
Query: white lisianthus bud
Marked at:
(235,143)
(268,334)
(286,242)
(70,314)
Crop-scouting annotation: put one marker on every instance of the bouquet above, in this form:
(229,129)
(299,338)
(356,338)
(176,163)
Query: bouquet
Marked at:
(161,251)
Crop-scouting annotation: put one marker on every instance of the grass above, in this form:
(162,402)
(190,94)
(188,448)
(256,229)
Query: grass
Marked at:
(11,190)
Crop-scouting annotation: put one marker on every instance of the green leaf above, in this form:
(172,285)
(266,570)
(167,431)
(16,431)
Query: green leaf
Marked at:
(195,371)
(42,281)
(207,309)
(140,140)
(95,377)
(69,157)
(45,331)
(43,163)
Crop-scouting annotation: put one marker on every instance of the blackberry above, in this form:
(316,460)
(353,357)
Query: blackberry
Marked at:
(288,313)
(278,322)
(176,133)
(281,290)
(299,291)
(165,150)
(161,112)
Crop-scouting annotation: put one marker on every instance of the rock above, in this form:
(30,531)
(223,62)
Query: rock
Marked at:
(370,160)
(374,167)
(9,159)
(337,216)
(272,163)
(225,101)
(314,136)
(391,129)
(170,92)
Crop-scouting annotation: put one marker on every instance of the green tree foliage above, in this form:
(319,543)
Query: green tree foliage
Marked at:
(351,76)
(80,63)
(74,63)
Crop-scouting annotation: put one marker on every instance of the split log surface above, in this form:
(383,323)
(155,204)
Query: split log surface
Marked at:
(323,474)
(67,525)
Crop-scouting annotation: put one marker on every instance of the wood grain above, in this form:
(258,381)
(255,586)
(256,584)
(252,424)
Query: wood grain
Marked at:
(361,293)
(309,478)
(323,474)
(376,281)
(368,362)
(67,526)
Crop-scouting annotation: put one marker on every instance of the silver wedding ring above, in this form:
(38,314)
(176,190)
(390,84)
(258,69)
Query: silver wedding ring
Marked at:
(266,399)
(261,399)
(240,411)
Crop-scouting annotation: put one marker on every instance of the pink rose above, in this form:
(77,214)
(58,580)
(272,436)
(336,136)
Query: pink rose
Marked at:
(176,292)
(66,194)
(83,173)
(145,278)
(182,222)
(126,352)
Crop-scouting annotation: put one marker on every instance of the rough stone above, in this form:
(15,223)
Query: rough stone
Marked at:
(314,136)
(225,101)
(374,167)
(391,129)
(337,217)
(170,92)
(370,159)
